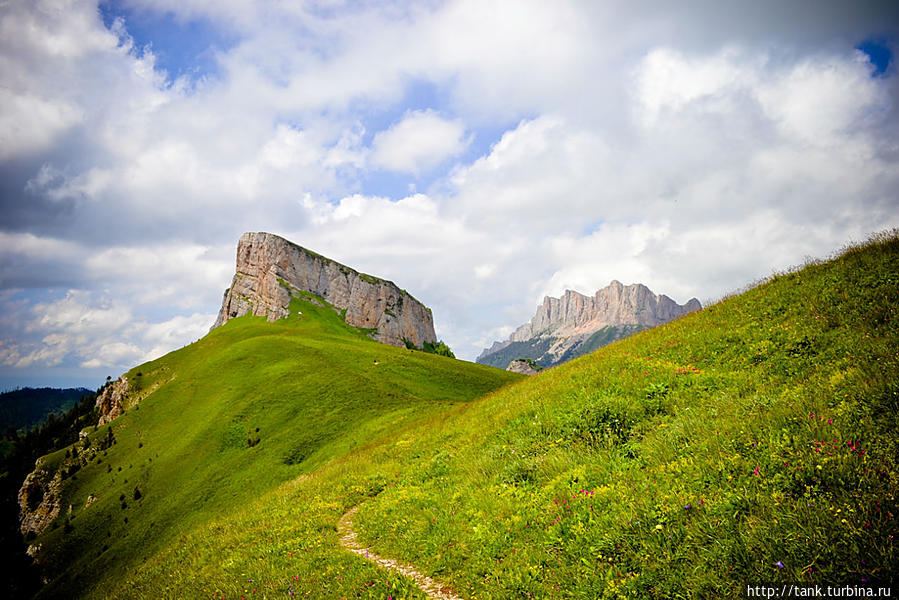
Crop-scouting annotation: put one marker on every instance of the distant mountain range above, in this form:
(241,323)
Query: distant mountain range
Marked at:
(575,324)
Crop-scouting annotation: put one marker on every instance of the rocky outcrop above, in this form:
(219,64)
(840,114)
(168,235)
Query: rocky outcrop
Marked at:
(111,403)
(270,268)
(567,327)
(523,365)
(39,499)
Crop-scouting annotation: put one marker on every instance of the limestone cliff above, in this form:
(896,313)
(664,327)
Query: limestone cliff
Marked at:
(616,304)
(270,267)
(111,402)
(39,499)
(575,324)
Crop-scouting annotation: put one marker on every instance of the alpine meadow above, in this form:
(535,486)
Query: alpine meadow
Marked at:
(449,300)
(753,440)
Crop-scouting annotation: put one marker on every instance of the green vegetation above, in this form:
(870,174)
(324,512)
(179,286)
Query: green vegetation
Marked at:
(751,441)
(227,419)
(439,347)
(531,363)
(20,579)
(27,407)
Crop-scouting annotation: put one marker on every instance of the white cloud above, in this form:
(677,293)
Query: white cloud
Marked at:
(686,149)
(537,178)
(420,141)
(667,82)
(822,101)
(484,271)
(113,354)
(93,332)
(29,123)
(166,336)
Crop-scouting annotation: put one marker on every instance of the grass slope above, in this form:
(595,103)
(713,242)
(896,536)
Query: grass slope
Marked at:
(752,441)
(228,418)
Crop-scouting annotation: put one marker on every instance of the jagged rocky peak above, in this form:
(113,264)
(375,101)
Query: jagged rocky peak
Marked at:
(574,324)
(270,268)
(615,304)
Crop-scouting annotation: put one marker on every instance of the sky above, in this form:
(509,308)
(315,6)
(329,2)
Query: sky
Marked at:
(482,155)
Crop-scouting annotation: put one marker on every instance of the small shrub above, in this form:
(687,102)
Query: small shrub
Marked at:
(439,348)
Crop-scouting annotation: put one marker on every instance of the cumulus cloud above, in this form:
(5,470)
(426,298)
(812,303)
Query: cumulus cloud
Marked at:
(420,141)
(690,147)
(91,331)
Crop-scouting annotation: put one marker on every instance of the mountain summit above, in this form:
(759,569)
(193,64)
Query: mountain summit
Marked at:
(272,270)
(575,324)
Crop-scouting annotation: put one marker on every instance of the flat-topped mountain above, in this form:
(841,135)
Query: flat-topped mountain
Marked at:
(271,270)
(575,324)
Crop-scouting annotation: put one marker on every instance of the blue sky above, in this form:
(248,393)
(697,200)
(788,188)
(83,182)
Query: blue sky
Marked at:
(879,53)
(480,155)
(182,47)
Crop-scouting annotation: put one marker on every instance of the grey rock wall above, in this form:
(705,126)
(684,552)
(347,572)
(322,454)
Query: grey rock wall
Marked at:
(265,260)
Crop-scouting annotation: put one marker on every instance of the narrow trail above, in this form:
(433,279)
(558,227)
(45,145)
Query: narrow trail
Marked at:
(348,540)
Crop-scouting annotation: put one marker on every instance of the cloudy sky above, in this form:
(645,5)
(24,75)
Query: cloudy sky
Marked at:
(479,154)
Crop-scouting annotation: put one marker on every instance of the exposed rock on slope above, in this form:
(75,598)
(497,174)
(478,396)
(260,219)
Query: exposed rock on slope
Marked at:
(270,267)
(39,499)
(567,327)
(525,366)
(111,403)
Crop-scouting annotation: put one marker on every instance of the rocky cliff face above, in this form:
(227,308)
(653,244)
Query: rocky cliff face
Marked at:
(575,324)
(111,403)
(39,499)
(616,304)
(269,268)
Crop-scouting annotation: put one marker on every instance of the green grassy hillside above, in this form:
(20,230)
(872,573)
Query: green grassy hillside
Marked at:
(227,419)
(752,441)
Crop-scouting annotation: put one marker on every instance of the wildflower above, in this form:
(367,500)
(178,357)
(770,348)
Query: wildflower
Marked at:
(779,565)
(688,507)
(756,471)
